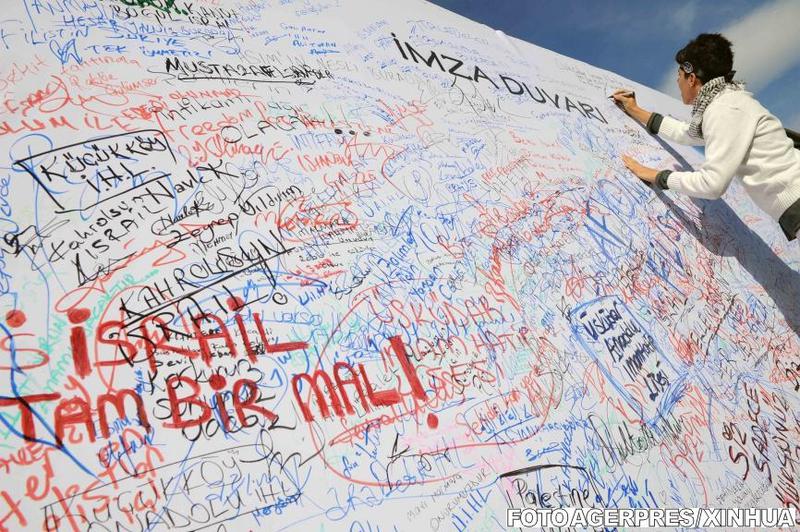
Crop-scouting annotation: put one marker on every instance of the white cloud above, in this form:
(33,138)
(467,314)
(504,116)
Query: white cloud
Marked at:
(765,44)
(685,16)
(794,122)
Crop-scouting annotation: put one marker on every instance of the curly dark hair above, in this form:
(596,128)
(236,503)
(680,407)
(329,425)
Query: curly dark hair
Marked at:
(709,55)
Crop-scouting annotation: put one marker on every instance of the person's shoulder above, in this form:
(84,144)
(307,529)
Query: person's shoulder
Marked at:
(725,115)
(735,98)
(740,101)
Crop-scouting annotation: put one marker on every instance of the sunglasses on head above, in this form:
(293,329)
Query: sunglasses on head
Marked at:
(687,67)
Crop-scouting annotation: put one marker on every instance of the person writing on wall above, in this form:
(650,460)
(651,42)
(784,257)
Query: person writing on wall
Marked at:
(740,136)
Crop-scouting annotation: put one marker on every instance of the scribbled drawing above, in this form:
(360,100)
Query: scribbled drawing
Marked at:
(628,356)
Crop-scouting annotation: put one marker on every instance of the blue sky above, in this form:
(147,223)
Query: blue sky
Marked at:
(638,39)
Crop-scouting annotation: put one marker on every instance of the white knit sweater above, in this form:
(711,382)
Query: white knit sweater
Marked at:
(741,139)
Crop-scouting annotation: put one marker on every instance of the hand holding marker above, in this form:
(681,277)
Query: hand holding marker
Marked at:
(623,93)
(624,98)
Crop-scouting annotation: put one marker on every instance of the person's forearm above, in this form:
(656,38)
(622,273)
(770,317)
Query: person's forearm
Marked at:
(640,115)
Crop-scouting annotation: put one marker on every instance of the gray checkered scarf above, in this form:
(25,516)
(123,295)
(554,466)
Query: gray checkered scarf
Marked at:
(708,92)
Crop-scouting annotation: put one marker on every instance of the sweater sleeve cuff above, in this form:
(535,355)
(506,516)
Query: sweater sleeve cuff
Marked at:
(670,127)
(654,123)
(673,181)
(662,179)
